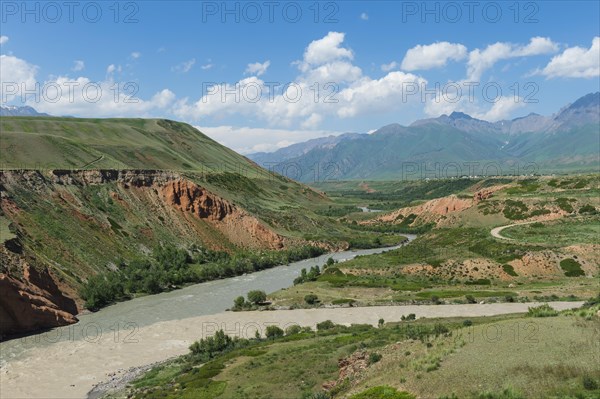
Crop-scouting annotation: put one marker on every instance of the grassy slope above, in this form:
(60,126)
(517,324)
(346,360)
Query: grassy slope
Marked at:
(79,230)
(381,278)
(65,143)
(535,357)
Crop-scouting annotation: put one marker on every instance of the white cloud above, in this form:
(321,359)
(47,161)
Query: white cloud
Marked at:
(364,16)
(3,40)
(184,67)
(575,62)
(206,67)
(325,50)
(328,85)
(435,55)
(100,99)
(14,74)
(112,68)
(391,66)
(257,68)
(78,65)
(501,109)
(248,140)
(482,60)
(135,55)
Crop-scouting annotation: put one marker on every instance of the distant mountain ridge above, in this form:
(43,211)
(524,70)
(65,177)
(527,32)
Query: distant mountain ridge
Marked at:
(566,141)
(13,110)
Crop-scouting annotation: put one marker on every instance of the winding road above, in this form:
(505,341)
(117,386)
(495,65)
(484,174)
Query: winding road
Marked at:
(496,230)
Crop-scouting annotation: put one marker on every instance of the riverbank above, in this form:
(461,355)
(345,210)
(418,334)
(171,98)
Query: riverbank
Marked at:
(70,369)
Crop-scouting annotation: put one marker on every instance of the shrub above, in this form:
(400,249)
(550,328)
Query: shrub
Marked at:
(564,204)
(325,325)
(257,296)
(374,357)
(410,317)
(311,299)
(239,302)
(380,323)
(571,267)
(273,332)
(292,330)
(470,299)
(467,323)
(435,299)
(588,209)
(544,310)
(508,269)
(382,392)
(589,383)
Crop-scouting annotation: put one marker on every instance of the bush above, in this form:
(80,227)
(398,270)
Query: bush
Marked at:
(588,209)
(256,296)
(325,325)
(239,302)
(311,299)
(589,383)
(508,269)
(374,357)
(273,332)
(467,323)
(380,323)
(470,299)
(410,317)
(571,267)
(382,392)
(292,330)
(544,310)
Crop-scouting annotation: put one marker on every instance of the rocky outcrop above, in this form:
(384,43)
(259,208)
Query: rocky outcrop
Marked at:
(240,227)
(33,302)
(429,211)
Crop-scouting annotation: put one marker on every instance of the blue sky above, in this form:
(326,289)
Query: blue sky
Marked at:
(348,66)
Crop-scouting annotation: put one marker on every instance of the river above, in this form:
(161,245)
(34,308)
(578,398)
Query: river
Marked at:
(194,300)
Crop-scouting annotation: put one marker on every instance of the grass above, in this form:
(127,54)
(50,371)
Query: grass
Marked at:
(506,357)
(563,232)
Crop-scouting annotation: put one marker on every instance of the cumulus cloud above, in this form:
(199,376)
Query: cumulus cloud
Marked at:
(326,49)
(501,109)
(435,55)
(388,67)
(482,60)
(112,68)
(15,75)
(257,68)
(184,67)
(3,40)
(86,98)
(364,16)
(247,140)
(575,62)
(135,55)
(328,85)
(78,65)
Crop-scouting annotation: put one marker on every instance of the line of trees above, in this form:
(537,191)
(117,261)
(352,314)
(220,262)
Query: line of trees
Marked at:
(169,267)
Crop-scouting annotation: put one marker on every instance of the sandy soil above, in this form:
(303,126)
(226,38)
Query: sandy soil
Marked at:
(72,369)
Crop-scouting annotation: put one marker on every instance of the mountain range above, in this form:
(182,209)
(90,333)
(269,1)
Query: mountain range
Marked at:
(452,145)
(13,110)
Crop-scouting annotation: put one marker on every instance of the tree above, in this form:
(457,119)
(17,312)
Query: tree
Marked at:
(330,262)
(274,332)
(380,323)
(239,302)
(257,296)
(311,299)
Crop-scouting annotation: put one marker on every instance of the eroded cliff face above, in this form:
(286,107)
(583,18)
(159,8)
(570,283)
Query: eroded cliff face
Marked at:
(57,212)
(241,228)
(32,300)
